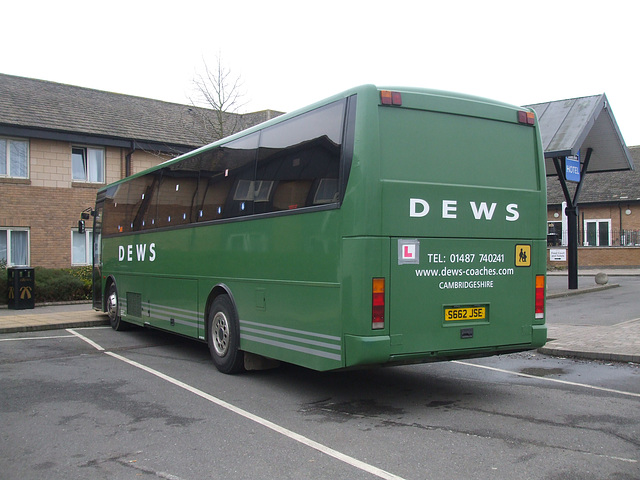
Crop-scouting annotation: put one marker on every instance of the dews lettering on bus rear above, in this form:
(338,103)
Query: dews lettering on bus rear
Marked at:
(137,252)
(419,207)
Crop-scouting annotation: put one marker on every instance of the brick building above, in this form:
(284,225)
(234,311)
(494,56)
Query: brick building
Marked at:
(60,143)
(609,218)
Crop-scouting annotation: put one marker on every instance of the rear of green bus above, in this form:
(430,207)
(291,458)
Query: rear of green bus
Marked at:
(446,213)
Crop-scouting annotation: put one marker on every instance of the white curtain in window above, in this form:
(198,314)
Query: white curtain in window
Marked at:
(78,166)
(3,157)
(19,160)
(95,249)
(3,245)
(78,250)
(96,165)
(19,248)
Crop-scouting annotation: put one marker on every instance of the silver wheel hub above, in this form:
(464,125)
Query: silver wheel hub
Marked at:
(220,334)
(112,305)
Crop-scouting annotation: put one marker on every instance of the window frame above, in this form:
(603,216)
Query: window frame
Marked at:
(559,233)
(7,160)
(9,231)
(597,222)
(86,166)
(88,247)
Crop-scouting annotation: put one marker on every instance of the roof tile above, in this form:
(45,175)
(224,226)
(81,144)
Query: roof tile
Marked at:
(26,102)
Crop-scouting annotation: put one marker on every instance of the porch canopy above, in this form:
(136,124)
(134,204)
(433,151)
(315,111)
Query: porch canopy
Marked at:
(580,124)
(586,127)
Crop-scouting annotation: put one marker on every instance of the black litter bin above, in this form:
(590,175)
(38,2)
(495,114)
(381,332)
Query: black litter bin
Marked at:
(21,287)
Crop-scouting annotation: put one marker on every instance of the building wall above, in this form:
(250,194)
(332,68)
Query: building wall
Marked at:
(142,160)
(625,236)
(50,213)
(616,212)
(50,164)
(49,202)
(591,257)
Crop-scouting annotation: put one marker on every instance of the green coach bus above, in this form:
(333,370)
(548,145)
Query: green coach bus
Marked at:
(379,226)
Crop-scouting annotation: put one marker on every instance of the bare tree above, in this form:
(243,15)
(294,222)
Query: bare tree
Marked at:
(218,90)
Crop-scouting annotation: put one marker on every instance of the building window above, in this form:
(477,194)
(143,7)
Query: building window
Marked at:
(597,233)
(14,246)
(87,164)
(14,158)
(554,234)
(81,247)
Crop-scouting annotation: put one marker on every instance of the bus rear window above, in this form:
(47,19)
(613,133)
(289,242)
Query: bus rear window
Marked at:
(454,149)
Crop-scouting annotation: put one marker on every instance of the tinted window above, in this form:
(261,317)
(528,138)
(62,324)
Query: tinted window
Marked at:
(287,166)
(299,159)
(177,194)
(225,173)
(116,209)
(141,199)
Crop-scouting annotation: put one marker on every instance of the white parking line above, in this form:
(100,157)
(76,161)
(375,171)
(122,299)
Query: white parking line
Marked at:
(545,379)
(35,338)
(634,320)
(250,416)
(94,327)
(90,342)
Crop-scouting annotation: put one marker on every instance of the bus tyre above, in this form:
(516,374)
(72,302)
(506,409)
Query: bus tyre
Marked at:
(223,336)
(113,309)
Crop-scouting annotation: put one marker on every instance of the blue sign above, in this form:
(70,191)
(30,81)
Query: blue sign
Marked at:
(572,168)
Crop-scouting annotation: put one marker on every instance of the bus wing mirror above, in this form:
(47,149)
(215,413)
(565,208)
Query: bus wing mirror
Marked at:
(87,213)
(81,228)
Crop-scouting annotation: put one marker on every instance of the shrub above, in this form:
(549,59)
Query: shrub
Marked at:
(55,284)
(3,281)
(85,274)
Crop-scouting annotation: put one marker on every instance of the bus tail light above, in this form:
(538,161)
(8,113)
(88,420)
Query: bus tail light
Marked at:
(540,296)
(377,304)
(390,98)
(527,118)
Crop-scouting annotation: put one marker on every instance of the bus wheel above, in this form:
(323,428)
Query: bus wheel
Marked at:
(223,336)
(113,310)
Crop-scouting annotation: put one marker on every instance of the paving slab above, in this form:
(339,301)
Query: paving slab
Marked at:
(618,343)
(21,321)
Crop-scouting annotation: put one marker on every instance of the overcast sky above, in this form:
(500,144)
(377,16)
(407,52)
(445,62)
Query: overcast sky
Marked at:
(292,53)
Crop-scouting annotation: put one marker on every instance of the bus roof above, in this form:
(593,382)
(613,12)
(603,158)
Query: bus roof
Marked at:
(362,89)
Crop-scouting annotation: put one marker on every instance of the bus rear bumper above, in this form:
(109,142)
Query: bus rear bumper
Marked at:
(538,335)
(360,350)
(366,350)
(377,350)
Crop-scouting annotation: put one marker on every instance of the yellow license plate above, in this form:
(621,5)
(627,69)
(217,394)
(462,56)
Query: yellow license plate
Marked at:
(467,313)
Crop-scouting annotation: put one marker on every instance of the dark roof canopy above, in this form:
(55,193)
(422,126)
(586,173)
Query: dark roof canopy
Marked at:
(578,124)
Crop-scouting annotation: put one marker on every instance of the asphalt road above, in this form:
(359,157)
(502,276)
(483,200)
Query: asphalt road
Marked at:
(607,307)
(153,406)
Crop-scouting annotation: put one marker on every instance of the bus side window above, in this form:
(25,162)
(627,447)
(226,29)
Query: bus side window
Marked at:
(115,209)
(302,155)
(164,208)
(143,193)
(214,193)
(229,170)
(184,197)
(291,195)
(326,191)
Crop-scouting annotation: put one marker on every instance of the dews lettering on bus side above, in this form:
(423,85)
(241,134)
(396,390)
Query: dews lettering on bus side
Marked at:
(137,252)
(419,207)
